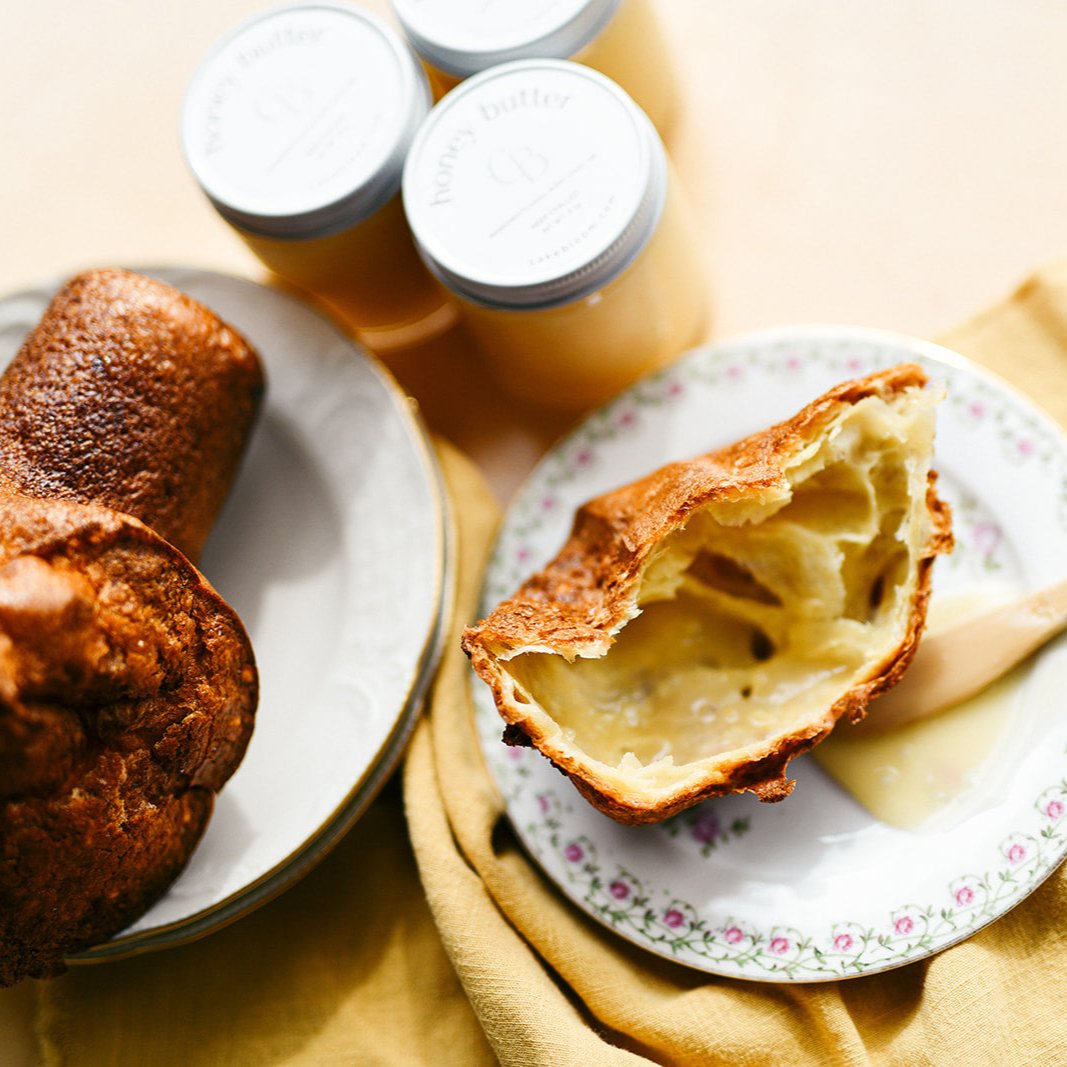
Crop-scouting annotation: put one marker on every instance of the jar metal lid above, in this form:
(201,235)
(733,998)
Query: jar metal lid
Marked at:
(298,122)
(534,184)
(463,37)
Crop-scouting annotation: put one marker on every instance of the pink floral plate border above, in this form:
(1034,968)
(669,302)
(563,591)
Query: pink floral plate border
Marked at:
(812,889)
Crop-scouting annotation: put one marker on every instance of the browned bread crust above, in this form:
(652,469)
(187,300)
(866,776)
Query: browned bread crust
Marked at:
(127,695)
(128,687)
(576,606)
(149,399)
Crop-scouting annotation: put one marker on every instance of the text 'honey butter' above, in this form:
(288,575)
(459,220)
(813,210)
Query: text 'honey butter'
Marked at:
(542,197)
(296,127)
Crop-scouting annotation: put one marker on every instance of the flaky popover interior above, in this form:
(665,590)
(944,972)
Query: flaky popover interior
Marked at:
(703,626)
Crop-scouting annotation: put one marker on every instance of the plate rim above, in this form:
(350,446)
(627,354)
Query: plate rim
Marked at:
(335,825)
(935,352)
(315,848)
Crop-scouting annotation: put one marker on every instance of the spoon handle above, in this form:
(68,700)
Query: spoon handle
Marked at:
(959,662)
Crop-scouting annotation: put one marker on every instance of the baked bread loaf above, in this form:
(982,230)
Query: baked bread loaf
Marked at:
(706,624)
(132,395)
(128,686)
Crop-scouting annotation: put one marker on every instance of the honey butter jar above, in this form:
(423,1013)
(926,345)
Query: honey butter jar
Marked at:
(621,38)
(296,127)
(542,197)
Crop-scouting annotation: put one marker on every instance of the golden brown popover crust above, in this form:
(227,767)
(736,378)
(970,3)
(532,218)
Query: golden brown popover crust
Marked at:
(581,597)
(127,695)
(149,397)
(128,687)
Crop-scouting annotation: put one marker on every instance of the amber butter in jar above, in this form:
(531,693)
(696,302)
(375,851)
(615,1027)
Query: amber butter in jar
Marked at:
(296,126)
(541,195)
(621,38)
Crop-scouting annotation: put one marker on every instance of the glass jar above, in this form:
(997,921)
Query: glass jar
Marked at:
(296,126)
(542,197)
(621,38)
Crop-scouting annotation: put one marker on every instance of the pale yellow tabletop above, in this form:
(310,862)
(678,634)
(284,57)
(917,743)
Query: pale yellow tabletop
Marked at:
(892,163)
(895,164)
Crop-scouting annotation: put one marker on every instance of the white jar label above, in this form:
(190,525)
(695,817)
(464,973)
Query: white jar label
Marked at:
(489,25)
(296,110)
(527,173)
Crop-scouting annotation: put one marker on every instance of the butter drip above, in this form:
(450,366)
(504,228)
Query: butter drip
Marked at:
(904,777)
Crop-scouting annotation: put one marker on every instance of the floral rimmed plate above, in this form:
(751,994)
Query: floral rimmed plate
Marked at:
(813,888)
(334,549)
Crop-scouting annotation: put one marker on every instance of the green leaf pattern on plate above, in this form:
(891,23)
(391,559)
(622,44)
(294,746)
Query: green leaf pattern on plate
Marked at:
(601,874)
(650,914)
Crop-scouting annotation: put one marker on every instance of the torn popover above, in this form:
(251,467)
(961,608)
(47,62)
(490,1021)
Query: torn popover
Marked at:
(709,622)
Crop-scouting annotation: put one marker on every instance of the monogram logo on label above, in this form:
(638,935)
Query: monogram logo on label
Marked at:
(511,165)
(287,101)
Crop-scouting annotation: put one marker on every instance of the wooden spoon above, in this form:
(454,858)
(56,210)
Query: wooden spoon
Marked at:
(960,661)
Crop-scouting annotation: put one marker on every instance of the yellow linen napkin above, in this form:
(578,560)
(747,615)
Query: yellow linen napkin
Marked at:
(346,967)
(351,965)
(551,987)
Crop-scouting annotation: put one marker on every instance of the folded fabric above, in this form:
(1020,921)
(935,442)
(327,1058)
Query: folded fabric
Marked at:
(551,987)
(346,967)
(465,954)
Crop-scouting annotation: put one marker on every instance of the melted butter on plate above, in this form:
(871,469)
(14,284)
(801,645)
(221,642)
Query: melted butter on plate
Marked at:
(905,776)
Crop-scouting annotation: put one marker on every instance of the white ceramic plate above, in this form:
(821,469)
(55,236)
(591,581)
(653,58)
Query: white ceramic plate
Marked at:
(333,548)
(812,888)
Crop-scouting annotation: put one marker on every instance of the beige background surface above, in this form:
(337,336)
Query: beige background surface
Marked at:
(895,163)
(892,163)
